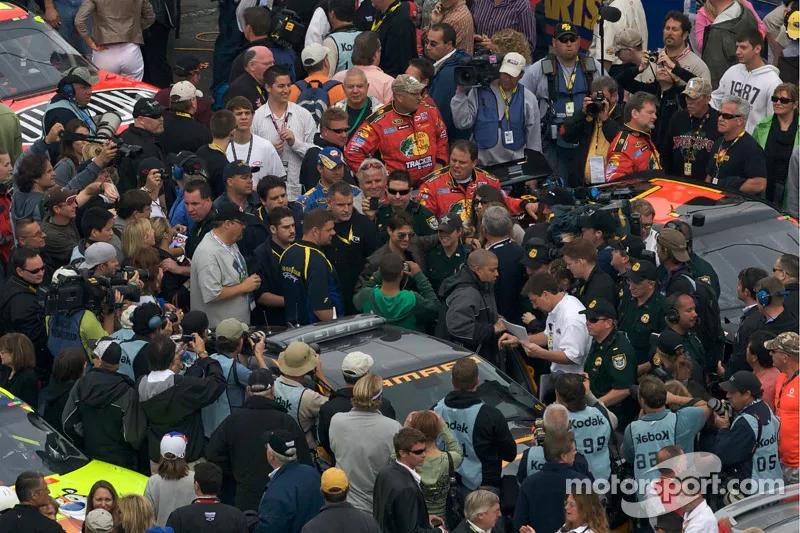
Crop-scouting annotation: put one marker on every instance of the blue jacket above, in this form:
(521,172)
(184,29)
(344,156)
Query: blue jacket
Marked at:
(292,498)
(442,88)
(541,497)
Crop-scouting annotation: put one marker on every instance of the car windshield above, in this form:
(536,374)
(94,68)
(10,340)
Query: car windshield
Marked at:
(32,58)
(423,388)
(28,443)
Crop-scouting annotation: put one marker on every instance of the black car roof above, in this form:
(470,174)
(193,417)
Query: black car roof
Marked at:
(396,351)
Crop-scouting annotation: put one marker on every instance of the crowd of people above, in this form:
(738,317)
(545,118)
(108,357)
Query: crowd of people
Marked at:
(350,170)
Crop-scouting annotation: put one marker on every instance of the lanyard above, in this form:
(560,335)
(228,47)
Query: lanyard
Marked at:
(780,392)
(349,239)
(570,81)
(249,150)
(358,119)
(260,93)
(507,101)
(285,121)
(182,114)
(722,154)
(238,261)
(378,23)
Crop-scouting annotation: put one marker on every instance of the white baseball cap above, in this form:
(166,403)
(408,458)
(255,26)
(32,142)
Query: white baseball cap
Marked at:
(313,54)
(174,443)
(513,64)
(183,91)
(356,364)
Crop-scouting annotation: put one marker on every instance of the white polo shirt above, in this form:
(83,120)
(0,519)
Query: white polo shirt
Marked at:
(566,332)
(700,520)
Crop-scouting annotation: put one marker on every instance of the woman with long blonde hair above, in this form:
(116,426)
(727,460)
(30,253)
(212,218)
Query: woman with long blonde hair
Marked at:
(136,514)
(137,234)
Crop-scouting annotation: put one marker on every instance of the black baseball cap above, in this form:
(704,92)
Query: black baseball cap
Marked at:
(641,271)
(742,381)
(238,168)
(230,211)
(194,322)
(107,349)
(599,220)
(565,28)
(147,107)
(669,343)
(600,308)
(556,196)
(260,380)
(186,64)
(282,442)
(147,164)
(630,245)
(537,253)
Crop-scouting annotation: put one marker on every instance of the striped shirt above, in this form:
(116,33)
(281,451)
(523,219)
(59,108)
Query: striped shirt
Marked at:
(460,18)
(491,17)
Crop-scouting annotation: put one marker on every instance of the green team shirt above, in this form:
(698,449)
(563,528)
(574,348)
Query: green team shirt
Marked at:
(611,364)
(439,267)
(425,222)
(640,321)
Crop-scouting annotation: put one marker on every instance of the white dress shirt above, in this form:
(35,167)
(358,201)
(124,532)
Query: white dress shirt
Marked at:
(700,520)
(566,332)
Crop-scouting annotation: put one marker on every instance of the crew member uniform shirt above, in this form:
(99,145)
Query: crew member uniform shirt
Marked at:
(259,152)
(688,145)
(566,331)
(732,162)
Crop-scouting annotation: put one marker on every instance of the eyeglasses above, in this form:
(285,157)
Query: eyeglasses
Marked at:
(338,130)
(729,116)
(395,192)
(567,39)
(781,99)
(777,270)
(417,452)
(403,235)
(478,201)
(35,270)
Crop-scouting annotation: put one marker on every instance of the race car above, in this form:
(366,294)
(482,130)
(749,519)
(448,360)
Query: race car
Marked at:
(32,58)
(415,368)
(27,442)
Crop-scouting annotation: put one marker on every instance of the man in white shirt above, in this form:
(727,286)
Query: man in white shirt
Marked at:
(289,127)
(565,341)
(632,16)
(253,149)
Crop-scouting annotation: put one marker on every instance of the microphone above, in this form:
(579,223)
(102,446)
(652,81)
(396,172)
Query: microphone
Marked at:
(610,13)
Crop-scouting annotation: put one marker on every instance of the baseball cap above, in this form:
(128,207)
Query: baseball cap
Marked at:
(142,318)
(186,64)
(330,157)
(334,481)
(565,28)
(57,196)
(599,220)
(260,380)
(147,164)
(229,211)
(407,84)
(174,443)
(641,271)
(556,196)
(96,254)
(182,91)
(627,38)
(697,87)
(356,364)
(450,223)
(282,442)
(793,26)
(787,342)
(80,75)
(631,246)
(742,381)
(108,350)
(600,308)
(669,343)
(231,329)
(538,253)
(297,359)
(147,107)
(98,521)
(313,54)
(512,64)
(238,168)
(674,241)
(194,322)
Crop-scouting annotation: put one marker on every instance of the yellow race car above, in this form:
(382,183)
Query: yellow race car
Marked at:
(27,442)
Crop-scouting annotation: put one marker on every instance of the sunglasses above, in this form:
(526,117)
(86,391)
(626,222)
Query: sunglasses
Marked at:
(477,201)
(777,270)
(781,99)
(395,192)
(403,235)
(595,320)
(366,166)
(338,130)
(729,116)
(34,271)
(567,39)
(417,452)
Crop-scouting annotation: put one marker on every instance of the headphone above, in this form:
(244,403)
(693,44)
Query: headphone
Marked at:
(764,297)
(672,315)
(68,90)
(155,322)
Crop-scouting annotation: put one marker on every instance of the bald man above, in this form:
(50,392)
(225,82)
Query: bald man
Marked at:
(471,317)
(250,83)
(358,104)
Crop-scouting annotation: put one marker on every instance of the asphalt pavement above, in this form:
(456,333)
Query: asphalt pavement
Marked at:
(197,34)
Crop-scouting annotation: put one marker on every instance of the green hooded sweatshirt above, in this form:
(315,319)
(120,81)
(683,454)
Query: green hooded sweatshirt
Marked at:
(407,309)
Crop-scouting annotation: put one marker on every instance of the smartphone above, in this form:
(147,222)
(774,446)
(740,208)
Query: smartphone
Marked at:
(374,204)
(187,338)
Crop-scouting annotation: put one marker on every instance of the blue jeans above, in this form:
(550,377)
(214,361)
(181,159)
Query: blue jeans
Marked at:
(66,12)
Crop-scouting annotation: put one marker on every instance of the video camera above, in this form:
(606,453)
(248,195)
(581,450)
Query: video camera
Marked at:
(478,71)
(73,289)
(107,125)
(287,29)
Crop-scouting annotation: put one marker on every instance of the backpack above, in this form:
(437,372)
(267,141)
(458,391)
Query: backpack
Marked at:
(709,326)
(314,96)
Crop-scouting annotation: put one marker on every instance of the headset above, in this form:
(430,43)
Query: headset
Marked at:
(672,315)
(155,322)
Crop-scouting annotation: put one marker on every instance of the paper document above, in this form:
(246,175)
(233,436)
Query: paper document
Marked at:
(515,329)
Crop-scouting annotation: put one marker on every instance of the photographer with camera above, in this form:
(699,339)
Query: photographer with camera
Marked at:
(592,129)
(148,321)
(145,132)
(502,114)
(73,93)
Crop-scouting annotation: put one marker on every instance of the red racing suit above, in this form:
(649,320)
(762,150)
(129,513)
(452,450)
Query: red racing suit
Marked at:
(441,194)
(631,151)
(414,143)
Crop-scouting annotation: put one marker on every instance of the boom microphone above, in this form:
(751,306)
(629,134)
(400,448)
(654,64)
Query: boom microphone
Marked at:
(610,13)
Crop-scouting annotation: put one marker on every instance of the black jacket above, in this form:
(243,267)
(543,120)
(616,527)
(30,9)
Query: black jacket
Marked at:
(397,502)
(790,299)
(22,311)
(541,497)
(211,517)
(183,133)
(24,518)
(470,312)
(24,384)
(398,37)
(52,400)
(247,86)
(129,166)
(175,404)
(597,285)
(103,414)
(579,129)
(341,401)
(511,278)
(748,324)
(339,517)
(238,446)
(491,437)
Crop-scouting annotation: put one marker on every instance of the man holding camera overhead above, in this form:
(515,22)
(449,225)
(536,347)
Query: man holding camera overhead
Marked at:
(503,116)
